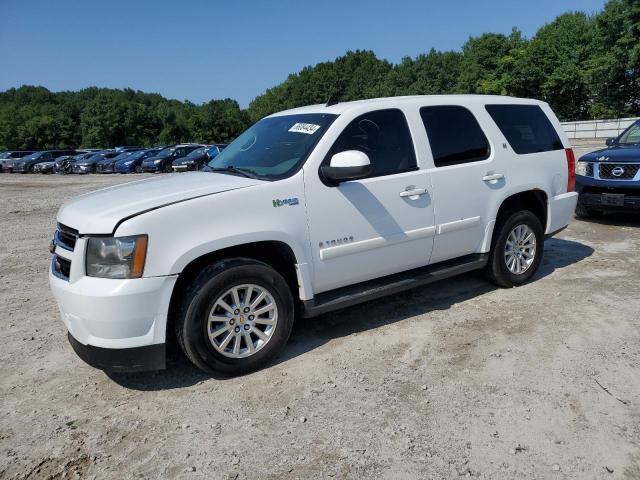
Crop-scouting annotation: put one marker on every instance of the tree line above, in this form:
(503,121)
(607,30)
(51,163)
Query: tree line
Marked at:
(585,67)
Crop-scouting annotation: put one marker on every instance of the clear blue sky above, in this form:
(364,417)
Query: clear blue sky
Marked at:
(199,50)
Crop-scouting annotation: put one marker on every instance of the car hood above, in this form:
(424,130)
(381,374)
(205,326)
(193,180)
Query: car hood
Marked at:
(618,153)
(100,212)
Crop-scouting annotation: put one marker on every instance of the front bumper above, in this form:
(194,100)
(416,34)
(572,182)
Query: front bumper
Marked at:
(151,167)
(591,193)
(105,168)
(82,168)
(137,359)
(114,324)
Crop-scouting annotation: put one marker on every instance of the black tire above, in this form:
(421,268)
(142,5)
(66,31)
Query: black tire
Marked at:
(585,212)
(496,269)
(138,168)
(167,168)
(199,298)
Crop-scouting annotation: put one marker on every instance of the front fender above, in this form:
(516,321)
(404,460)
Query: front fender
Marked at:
(181,232)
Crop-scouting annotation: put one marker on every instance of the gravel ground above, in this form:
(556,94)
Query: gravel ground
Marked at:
(454,379)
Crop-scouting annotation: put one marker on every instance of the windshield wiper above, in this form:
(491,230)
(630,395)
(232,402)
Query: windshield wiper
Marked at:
(231,169)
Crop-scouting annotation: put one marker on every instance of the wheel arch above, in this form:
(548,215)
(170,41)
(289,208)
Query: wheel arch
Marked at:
(534,199)
(277,254)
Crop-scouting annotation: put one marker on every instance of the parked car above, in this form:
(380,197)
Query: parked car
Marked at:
(308,211)
(608,180)
(198,158)
(7,159)
(46,167)
(107,165)
(195,160)
(26,163)
(164,159)
(133,163)
(88,163)
(65,163)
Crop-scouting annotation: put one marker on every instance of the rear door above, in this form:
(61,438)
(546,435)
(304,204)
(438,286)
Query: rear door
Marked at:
(467,178)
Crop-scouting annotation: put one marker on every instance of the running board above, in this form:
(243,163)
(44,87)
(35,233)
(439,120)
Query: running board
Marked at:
(398,282)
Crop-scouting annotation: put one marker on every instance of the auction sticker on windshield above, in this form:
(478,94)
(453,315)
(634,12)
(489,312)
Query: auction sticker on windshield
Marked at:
(308,128)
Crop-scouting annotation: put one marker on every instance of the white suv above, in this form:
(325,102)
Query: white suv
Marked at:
(309,210)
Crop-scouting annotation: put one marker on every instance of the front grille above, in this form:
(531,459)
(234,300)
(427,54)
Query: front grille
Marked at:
(60,267)
(66,237)
(618,171)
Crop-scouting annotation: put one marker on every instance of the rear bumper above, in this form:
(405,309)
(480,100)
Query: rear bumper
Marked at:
(137,359)
(561,208)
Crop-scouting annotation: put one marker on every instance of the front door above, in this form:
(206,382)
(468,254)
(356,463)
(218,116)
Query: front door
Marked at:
(380,225)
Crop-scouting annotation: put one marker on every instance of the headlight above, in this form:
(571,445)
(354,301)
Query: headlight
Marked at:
(121,257)
(157,161)
(581,168)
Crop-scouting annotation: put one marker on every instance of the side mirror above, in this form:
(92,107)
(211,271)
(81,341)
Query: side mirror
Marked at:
(212,154)
(345,166)
(610,141)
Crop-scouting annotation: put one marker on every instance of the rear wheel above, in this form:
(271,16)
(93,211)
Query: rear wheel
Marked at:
(516,251)
(167,168)
(138,168)
(236,316)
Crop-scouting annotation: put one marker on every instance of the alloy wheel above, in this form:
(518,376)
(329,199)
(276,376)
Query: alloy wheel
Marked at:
(242,320)
(520,249)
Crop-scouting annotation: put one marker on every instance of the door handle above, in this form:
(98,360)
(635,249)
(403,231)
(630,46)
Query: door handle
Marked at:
(493,176)
(414,192)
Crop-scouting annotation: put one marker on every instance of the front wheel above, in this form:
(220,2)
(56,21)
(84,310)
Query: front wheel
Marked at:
(516,249)
(236,316)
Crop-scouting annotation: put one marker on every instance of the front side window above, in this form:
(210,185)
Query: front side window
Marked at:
(526,128)
(454,135)
(631,136)
(384,136)
(274,147)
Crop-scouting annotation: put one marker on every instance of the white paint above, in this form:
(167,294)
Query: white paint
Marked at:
(193,214)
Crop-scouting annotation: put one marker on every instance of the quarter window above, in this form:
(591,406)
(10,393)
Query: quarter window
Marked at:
(526,128)
(454,135)
(384,136)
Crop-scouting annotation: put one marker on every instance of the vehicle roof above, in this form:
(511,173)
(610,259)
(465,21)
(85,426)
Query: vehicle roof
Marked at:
(417,100)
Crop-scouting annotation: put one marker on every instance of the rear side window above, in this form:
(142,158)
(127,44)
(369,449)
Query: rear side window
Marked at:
(454,135)
(526,128)
(384,136)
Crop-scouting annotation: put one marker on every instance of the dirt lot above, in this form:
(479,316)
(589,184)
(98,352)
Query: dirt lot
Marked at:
(455,379)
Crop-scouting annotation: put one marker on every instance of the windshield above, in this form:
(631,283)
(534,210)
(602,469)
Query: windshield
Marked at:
(166,152)
(275,147)
(631,136)
(33,156)
(122,156)
(5,155)
(197,152)
(134,155)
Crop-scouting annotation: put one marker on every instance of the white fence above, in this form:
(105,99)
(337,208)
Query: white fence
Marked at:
(597,128)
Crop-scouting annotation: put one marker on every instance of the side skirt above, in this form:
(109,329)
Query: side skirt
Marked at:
(398,282)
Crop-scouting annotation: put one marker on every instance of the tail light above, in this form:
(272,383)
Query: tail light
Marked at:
(571,167)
